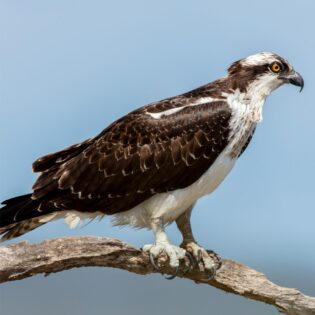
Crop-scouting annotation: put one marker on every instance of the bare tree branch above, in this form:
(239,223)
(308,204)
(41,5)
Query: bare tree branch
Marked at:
(22,260)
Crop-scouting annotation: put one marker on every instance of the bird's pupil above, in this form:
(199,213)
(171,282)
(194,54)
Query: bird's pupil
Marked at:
(276,67)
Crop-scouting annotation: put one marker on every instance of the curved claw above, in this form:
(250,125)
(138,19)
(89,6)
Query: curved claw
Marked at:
(171,277)
(211,273)
(152,261)
(199,256)
(191,264)
(190,258)
(219,259)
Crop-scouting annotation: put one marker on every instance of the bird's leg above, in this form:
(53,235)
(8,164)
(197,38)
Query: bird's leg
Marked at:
(203,257)
(163,245)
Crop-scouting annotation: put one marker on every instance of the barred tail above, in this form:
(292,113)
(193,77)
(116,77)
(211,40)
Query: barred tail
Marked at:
(18,216)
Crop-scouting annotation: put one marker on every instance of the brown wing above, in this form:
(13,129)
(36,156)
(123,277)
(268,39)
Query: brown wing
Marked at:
(134,158)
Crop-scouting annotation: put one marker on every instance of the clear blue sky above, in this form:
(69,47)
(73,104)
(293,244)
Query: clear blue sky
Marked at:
(69,68)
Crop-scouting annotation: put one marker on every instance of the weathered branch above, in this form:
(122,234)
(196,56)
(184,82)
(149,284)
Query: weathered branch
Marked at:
(22,260)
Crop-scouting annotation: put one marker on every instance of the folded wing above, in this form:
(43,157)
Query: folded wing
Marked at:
(134,158)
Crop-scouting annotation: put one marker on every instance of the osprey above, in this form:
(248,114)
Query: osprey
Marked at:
(148,168)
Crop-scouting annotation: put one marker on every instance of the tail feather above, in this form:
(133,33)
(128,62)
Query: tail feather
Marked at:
(18,216)
(18,229)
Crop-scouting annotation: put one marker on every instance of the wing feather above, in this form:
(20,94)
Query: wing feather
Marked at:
(136,157)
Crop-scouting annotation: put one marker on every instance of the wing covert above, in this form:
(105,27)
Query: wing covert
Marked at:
(139,156)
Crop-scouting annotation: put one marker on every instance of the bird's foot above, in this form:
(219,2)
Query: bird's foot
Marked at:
(207,261)
(174,253)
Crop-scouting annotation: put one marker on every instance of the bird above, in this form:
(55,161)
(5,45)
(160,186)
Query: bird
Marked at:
(149,168)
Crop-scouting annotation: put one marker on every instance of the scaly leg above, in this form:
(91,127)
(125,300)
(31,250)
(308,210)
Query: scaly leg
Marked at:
(202,257)
(163,245)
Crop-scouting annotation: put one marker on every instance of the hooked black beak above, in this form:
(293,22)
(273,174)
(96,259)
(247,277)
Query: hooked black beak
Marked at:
(294,78)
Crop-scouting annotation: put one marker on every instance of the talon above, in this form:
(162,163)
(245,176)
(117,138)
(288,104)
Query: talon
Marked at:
(199,256)
(190,258)
(211,273)
(174,254)
(207,261)
(220,262)
(171,277)
(191,263)
(153,261)
(217,257)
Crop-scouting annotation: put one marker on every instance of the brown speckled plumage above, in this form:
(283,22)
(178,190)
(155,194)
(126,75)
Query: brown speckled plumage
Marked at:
(164,146)
(136,157)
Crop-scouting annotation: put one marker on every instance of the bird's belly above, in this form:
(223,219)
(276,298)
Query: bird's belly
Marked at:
(172,204)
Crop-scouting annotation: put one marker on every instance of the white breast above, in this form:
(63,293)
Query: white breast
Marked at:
(168,205)
(246,112)
(172,204)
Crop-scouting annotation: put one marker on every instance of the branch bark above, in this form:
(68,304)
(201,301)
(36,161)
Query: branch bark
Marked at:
(22,260)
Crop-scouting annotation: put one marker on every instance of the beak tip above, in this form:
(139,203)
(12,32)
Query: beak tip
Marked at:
(296,79)
(301,82)
(302,85)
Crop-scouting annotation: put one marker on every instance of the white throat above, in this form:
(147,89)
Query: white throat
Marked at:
(247,109)
(250,103)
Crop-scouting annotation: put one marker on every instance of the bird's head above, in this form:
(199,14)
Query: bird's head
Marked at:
(262,73)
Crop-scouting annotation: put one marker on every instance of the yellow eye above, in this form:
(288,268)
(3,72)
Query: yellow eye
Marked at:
(276,67)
